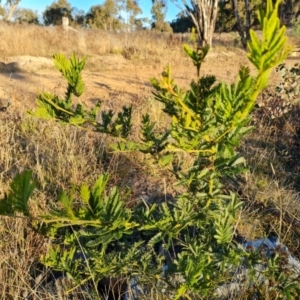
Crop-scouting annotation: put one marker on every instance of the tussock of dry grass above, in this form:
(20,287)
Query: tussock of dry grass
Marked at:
(271,187)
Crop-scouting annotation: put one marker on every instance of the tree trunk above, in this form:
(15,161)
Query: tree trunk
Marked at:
(204,16)
(12,9)
(243,29)
(240,25)
(248,21)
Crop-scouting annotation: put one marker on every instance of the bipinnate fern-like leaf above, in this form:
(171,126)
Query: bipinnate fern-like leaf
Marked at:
(65,262)
(225,219)
(96,199)
(85,194)
(114,205)
(21,189)
(105,213)
(67,205)
(272,49)
(156,239)
(50,106)
(197,56)
(71,70)
(44,110)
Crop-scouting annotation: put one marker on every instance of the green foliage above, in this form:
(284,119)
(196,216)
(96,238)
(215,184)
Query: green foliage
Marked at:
(71,70)
(193,234)
(289,86)
(240,15)
(24,15)
(296,27)
(272,49)
(209,119)
(102,237)
(104,215)
(50,106)
(158,11)
(224,221)
(54,13)
(104,16)
(182,23)
(290,13)
(17,200)
(132,9)
(280,100)
(226,18)
(206,122)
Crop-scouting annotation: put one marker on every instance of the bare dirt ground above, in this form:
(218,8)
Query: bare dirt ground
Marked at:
(115,78)
(116,81)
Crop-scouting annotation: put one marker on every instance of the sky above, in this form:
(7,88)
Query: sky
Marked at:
(40,6)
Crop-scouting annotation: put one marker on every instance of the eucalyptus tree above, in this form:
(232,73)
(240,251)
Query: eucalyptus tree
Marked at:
(54,13)
(245,14)
(158,11)
(11,5)
(105,16)
(132,10)
(204,15)
(78,16)
(25,15)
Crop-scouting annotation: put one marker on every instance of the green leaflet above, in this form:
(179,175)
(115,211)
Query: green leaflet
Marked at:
(50,106)
(17,200)
(71,70)
(267,53)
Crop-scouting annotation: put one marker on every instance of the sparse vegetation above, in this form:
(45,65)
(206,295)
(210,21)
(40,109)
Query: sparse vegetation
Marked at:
(296,27)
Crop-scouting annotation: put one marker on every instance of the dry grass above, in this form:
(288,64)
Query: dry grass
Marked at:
(45,41)
(60,157)
(271,187)
(143,48)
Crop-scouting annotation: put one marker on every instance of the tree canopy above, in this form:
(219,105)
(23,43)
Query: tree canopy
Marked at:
(183,23)
(54,13)
(25,15)
(158,11)
(11,7)
(104,16)
(132,10)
